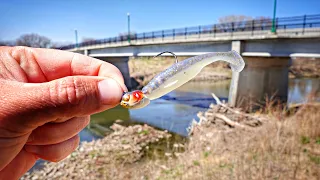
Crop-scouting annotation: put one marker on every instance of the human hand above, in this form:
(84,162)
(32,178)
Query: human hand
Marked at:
(47,97)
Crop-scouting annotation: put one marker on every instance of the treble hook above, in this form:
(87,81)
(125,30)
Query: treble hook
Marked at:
(168,52)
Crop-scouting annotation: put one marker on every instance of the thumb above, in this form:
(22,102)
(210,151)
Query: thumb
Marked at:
(61,99)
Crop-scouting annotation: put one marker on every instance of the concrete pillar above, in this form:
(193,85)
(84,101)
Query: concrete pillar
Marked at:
(262,78)
(122,64)
(235,45)
(85,52)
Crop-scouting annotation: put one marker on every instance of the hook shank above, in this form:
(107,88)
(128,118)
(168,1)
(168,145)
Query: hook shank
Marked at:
(168,52)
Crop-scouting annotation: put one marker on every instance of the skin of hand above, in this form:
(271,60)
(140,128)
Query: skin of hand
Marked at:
(47,97)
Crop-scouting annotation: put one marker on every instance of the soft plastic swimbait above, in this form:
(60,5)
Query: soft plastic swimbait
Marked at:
(177,75)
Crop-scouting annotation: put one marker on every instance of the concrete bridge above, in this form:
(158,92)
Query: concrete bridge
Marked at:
(267,55)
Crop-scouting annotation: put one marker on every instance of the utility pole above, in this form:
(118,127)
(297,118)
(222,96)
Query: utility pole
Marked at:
(128,14)
(273,29)
(76,36)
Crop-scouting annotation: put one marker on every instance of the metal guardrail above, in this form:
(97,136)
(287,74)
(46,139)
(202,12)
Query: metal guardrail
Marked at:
(256,26)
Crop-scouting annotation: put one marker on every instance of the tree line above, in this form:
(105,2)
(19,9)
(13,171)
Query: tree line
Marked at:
(32,40)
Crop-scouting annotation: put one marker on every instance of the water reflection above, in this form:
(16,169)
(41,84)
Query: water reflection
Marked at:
(301,89)
(101,122)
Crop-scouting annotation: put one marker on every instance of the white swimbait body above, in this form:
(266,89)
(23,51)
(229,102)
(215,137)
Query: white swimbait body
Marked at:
(177,75)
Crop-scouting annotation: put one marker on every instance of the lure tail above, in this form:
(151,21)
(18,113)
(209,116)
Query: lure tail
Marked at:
(237,64)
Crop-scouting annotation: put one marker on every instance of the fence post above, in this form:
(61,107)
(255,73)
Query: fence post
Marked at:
(152,36)
(144,36)
(252,27)
(185,33)
(232,28)
(214,30)
(304,23)
(199,31)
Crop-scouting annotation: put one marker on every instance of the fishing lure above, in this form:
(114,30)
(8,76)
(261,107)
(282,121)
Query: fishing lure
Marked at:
(177,75)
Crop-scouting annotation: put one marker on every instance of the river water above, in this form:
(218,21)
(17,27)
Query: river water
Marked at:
(175,111)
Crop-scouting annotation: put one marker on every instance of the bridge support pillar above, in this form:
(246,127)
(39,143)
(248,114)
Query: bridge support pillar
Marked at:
(122,64)
(236,46)
(263,78)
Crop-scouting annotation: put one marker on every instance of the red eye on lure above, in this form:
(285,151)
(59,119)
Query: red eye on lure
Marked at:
(137,95)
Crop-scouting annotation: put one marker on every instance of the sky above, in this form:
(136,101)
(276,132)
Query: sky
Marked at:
(98,19)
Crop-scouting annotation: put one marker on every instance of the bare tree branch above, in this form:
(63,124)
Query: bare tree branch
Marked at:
(33,40)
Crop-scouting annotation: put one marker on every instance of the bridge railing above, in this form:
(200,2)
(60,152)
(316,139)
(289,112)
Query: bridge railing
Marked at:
(297,24)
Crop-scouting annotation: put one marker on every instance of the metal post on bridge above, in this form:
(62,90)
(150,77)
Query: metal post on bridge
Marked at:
(252,27)
(185,33)
(128,14)
(232,28)
(273,29)
(304,23)
(162,35)
(76,36)
(173,33)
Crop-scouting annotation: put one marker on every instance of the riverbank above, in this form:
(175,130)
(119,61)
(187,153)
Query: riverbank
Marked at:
(143,69)
(227,144)
(305,68)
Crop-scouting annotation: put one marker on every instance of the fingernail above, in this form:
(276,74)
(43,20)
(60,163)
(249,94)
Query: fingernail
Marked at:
(110,91)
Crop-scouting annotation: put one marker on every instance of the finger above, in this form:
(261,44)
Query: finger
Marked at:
(10,146)
(55,152)
(33,105)
(42,65)
(18,166)
(53,133)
